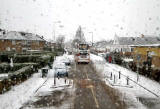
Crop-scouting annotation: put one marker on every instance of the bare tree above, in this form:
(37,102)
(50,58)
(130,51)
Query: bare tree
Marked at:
(60,41)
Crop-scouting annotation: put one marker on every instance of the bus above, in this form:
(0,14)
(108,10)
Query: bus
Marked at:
(83,54)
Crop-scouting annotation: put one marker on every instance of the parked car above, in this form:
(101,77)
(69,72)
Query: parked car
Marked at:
(60,70)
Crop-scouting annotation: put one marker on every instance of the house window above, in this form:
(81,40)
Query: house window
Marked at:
(8,49)
(24,49)
(13,42)
(37,42)
(138,57)
(132,49)
(19,42)
(29,42)
(121,50)
(13,49)
(25,42)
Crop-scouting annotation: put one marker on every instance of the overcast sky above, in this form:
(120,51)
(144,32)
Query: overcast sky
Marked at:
(103,17)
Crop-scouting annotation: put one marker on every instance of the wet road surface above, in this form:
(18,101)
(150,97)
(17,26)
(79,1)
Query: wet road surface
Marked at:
(90,92)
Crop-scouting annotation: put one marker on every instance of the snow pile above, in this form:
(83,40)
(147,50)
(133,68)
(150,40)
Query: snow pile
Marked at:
(145,82)
(95,58)
(131,90)
(49,86)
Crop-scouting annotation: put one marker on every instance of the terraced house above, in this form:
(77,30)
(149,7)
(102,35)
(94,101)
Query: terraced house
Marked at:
(20,41)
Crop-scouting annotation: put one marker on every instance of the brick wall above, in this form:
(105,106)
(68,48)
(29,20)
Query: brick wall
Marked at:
(19,45)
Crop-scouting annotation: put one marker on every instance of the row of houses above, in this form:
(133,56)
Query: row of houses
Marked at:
(14,41)
(143,50)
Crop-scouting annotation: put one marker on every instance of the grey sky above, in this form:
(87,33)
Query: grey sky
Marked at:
(103,17)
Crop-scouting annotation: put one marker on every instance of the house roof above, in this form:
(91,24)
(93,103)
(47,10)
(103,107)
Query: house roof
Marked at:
(13,35)
(146,40)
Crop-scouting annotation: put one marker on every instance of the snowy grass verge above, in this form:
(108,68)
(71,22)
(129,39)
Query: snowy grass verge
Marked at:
(131,92)
(19,94)
(114,94)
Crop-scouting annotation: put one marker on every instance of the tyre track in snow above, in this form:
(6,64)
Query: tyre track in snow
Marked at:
(41,85)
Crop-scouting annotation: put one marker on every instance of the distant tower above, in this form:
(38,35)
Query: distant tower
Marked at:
(80,35)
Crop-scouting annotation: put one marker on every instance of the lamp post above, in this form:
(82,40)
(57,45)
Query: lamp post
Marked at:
(92,37)
(54,23)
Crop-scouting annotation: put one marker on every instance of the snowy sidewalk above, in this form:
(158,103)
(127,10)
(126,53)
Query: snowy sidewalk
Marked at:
(110,74)
(24,92)
(19,94)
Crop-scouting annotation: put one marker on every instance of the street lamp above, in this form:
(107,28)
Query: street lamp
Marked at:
(54,23)
(92,37)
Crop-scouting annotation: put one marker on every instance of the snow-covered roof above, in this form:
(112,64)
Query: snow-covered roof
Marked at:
(146,40)
(13,35)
